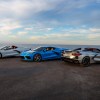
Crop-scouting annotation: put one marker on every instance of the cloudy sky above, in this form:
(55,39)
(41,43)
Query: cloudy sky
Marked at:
(50,21)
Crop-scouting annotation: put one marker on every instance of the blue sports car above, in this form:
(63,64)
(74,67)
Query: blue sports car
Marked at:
(42,53)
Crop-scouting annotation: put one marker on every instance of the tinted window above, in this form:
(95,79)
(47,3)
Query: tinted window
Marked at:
(50,48)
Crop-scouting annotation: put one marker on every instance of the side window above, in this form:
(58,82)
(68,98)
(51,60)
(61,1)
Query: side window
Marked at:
(96,50)
(50,48)
(8,48)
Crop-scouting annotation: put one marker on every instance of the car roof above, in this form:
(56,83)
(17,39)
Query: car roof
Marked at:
(48,46)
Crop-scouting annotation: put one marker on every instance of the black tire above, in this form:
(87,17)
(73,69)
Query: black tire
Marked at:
(37,58)
(85,61)
(0,55)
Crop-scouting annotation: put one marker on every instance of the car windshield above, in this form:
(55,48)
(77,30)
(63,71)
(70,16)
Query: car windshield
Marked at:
(39,49)
(4,47)
(8,47)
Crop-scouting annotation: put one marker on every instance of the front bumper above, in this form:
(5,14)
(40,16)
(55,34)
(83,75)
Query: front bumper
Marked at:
(27,58)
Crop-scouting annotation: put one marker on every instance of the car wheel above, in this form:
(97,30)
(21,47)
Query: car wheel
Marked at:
(37,58)
(0,55)
(85,61)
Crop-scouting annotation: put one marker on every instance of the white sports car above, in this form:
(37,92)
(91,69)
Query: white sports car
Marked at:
(85,57)
(7,51)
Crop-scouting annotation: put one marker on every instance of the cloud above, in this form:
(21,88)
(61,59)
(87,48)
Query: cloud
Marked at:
(69,5)
(25,8)
(22,33)
(39,28)
(7,28)
(50,11)
(84,34)
(46,20)
(28,29)
(95,30)
(9,25)
(94,36)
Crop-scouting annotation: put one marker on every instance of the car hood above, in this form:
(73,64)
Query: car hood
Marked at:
(28,52)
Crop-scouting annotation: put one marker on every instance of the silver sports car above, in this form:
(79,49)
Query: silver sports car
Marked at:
(84,57)
(11,51)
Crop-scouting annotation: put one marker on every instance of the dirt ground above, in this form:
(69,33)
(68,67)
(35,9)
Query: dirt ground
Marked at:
(48,80)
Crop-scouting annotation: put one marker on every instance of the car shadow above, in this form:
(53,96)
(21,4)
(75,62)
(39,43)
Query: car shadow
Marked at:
(10,57)
(48,60)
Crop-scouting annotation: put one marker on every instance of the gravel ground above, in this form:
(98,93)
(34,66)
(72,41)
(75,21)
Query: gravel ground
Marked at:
(48,80)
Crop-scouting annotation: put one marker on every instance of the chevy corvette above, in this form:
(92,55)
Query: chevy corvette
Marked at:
(85,57)
(11,51)
(42,53)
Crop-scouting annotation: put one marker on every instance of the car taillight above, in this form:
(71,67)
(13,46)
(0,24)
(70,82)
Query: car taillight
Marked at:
(76,54)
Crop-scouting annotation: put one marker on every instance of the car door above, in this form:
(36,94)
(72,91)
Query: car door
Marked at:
(97,57)
(8,51)
(49,53)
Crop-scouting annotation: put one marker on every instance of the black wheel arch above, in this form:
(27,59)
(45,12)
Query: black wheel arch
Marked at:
(37,54)
(85,64)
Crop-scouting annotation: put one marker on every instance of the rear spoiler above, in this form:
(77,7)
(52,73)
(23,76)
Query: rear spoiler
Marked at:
(74,49)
